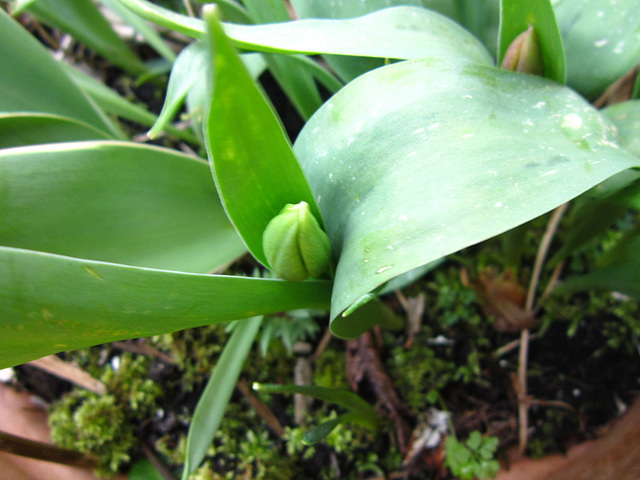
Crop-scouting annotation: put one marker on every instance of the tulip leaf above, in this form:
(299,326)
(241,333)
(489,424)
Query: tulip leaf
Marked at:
(343,398)
(626,116)
(252,160)
(191,68)
(190,65)
(620,275)
(403,178)
(85,23)
(215,398)
(32,81)
(516,17)
(350,68)
(601,41)
(20,129)
(113,103)
(51,303)
(116,202)
(400,33)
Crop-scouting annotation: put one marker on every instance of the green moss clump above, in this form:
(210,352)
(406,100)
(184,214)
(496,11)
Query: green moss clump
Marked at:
(194,351)
(330,370)
(96,424)
(105,425)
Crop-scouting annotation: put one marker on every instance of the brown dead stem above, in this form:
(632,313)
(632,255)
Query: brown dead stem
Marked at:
(363,362)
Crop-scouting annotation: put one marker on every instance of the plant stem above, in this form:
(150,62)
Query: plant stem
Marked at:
(523,401)
(43,451)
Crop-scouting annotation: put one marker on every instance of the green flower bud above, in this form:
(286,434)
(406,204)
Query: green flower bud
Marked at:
(295,245)
(524,55)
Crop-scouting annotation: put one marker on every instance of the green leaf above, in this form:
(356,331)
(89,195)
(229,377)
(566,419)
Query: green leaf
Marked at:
(189,69)
(351,9)
(400,32)
(621,275)
(147,31)
(406,178)
(20,129)
(251,158)
(32,81)
(601,41)
(267,11)
(296,80)
(113,103)
(213,402)
(232,11)
(50,303)
(320,432)
(117,202)
(350,68)
(343,398)
(589,218)
(86,24)
(626,116)
(517,16)
(190,65)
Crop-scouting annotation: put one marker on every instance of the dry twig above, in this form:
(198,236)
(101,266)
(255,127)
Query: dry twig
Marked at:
(523,400)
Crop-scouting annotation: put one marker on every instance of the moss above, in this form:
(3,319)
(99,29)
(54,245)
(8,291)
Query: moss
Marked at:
(96,424)
(194,351)
(330,370)
(105,425)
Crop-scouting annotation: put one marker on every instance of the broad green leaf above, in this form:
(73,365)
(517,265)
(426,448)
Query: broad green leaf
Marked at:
(252,161)
(621,275)
(479,17)
(20,129)
(351,9)
(626,116)
(31,80)
(116,202)
(350,68)
(416,160)
(400,32)
(50,303)
(85,23)
(600,39)
(213,402)
(517,16)
(410,277)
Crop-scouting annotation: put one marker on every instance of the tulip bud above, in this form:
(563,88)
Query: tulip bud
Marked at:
(524,55)
(295,245)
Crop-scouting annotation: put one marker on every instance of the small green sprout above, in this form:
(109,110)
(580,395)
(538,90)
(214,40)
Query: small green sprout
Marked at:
(472,459)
